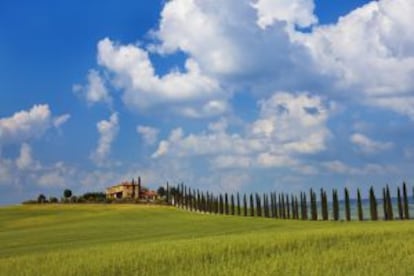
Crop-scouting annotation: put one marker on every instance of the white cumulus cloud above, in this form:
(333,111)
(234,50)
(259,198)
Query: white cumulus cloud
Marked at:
(149,134)
(108,130)
(95,90)
(368,145)
(26,125)
(289,125)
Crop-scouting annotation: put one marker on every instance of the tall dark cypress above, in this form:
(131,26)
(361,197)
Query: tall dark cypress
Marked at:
(251,205)
(360,212)
(272,205)
(314,207)
(226,204)
(384,204)
(302,207)
(275,209)
(185,197)
(281,209)
(207,203)
(326,211)
(373,204)
(324,205)
(221,205)
(258,206)
(406,206)
(264,205)
(400,205)
(232,205)
(287,207)
(297,207)
(335,204)
(347,205)
(389,205)
(191,200)
(292,205)
(305,209)
(245,205)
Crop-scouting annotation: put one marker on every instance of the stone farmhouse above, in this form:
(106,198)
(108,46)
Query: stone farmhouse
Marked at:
(130,190)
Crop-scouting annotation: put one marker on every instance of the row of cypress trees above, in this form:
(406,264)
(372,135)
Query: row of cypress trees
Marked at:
(285,206)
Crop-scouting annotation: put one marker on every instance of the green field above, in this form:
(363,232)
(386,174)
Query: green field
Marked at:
(150,240)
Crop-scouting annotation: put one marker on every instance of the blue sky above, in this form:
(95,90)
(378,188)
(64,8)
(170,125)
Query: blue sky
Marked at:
(223,95)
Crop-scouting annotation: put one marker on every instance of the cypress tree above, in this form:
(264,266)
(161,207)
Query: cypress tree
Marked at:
(384,204)
(207,207)
(281,211)
(302,209)
(185,197)
(292,203)
(198,201)
(191,201)
(305,209)
(325,199)
(324,205)
(360,212)
(221,205)
(272,205)
(400,207)
(389,205)
(195,200)
(251,205)
(347,205)
(245,205)
(314,207)
(226,204)
(258,206)
(275,209)
(373,204)
(232,205)
(297,207)
(406,206)
(335,204)
(238,204)
(264,206)
(287,207)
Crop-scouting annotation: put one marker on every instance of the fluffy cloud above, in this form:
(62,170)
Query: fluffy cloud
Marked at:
(95,90)
(26,125)
(108,130)
(25,159)
(293,12)
(368,145)
(370,51)
(270,141)
(135,74)
(25,172)
(149,134)
(234,48)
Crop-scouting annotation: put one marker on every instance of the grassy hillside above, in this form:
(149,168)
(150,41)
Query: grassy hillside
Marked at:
(148,240)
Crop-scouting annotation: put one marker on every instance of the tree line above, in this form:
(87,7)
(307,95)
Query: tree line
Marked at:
(310,205)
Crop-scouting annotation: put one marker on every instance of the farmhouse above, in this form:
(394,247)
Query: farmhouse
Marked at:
(130,190)
(123,190)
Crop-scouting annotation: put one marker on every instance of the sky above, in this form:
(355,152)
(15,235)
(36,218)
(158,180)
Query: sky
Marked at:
(225,96)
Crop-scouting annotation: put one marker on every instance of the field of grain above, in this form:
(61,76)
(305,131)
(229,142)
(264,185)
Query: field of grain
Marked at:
(151,240)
